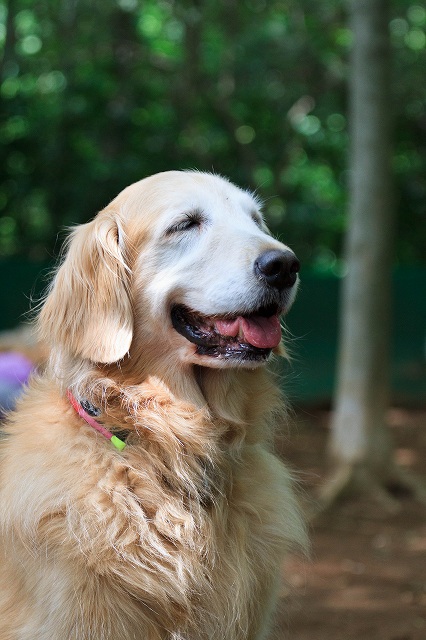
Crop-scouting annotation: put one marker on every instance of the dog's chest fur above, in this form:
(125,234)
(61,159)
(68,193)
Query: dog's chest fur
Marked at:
(179,536)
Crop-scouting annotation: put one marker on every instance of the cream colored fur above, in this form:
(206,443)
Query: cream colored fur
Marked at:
(181,536)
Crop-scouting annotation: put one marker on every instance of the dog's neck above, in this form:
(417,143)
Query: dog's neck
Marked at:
(218,393)
(242,400)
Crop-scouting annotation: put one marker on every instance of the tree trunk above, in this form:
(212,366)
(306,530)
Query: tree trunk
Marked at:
(359,430)
(360,443)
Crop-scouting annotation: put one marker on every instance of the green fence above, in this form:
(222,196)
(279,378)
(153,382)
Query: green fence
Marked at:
(312,323)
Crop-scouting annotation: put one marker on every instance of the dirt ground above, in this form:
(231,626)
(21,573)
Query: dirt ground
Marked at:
(366,575)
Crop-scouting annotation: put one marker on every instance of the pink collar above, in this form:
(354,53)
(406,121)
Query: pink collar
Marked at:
(118,444)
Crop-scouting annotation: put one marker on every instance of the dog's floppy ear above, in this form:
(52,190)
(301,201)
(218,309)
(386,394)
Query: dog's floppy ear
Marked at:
(88,310)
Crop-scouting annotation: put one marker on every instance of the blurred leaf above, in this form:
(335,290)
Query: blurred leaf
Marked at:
(96,94)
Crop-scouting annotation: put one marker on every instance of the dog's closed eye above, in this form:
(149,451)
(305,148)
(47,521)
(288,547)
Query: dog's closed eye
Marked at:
(257,219)
(191,220)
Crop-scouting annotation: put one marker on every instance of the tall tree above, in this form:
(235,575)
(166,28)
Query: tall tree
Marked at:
(360,442)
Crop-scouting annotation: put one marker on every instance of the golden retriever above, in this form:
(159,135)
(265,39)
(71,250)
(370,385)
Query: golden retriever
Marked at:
(139,495)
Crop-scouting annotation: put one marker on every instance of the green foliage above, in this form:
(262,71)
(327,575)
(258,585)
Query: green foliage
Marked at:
(96,94)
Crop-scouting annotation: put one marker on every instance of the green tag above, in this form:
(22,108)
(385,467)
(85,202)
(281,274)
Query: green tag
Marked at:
(118,444)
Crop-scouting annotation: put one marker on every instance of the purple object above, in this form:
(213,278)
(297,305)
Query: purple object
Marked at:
(15,370)
(14,367)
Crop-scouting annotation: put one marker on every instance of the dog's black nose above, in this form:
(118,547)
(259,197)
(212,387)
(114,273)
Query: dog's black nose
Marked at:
(277,268)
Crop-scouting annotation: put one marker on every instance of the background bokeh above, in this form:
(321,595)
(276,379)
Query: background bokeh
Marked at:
(96,94)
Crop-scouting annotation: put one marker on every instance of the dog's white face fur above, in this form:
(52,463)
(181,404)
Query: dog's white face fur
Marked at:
(170,265)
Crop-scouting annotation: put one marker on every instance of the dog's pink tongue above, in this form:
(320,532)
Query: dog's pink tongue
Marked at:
(261,332)
(264,333)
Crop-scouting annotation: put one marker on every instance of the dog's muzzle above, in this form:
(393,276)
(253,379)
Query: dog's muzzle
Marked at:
(251,334)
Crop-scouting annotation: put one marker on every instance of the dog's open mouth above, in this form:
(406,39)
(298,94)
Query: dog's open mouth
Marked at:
(244,337)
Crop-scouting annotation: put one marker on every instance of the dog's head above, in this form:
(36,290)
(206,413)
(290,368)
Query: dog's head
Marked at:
(179,264)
